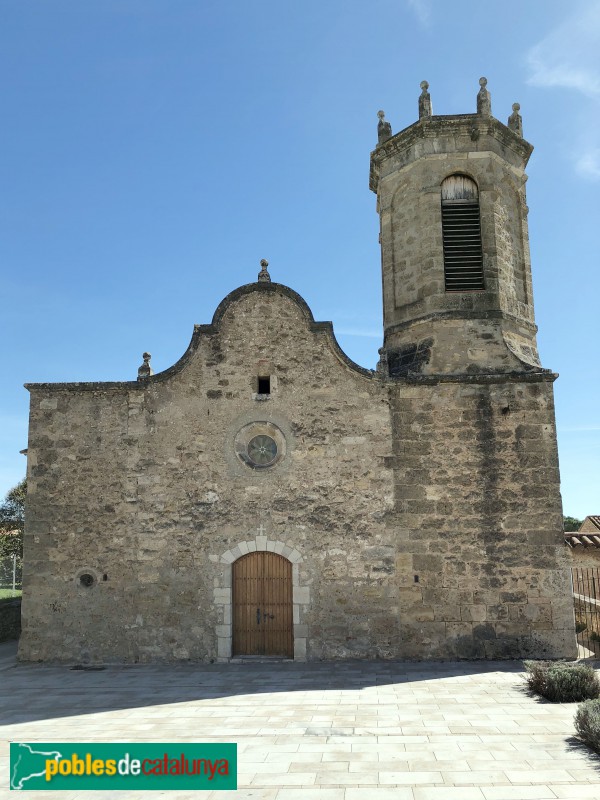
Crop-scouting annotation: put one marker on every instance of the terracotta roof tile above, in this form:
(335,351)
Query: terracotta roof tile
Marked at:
(582,540)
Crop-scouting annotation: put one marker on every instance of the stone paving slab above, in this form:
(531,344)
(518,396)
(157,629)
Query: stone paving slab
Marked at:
(336,731)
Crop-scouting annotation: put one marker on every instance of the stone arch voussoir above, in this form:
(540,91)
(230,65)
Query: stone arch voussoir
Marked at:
(223,600)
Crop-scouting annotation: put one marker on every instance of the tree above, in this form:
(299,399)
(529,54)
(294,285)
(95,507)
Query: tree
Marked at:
(12,520)
(572,524)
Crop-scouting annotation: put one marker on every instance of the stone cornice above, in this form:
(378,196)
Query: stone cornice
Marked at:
(474,126)
(539,376)
(480,314)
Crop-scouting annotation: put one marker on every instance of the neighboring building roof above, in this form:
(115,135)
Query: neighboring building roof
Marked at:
(590,524)
(579,539)
(588,534)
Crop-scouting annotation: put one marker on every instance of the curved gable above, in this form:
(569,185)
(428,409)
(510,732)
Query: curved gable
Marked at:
(206,331)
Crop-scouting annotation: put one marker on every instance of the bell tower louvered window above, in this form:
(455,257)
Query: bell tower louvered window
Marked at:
(461,233)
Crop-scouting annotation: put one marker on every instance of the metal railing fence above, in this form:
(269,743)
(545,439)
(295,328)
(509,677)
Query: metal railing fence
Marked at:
(11,575)
(586,594)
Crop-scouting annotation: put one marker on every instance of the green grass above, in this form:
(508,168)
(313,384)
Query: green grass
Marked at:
(8,593)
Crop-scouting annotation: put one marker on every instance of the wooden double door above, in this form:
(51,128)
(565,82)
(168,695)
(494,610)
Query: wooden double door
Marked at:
(262,606)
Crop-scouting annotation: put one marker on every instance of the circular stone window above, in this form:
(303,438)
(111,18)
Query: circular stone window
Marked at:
(262,450)
(260,445)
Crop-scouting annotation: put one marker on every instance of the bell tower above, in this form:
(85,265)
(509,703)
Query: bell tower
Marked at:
(474,454)
(457,295)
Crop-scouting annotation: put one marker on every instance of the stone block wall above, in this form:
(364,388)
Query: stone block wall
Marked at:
(139,503)
(140,486)
(480,543)
(584,557)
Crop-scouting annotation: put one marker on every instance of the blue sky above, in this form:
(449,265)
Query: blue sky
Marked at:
(153,151)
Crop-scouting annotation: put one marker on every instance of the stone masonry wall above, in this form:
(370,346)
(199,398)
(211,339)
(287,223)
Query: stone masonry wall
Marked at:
(584,557)
(139,486)
(477,491)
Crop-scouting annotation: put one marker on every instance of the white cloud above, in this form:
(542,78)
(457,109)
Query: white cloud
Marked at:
(357,332)
(422,9)
(561,73)
(569,58)
(588,164)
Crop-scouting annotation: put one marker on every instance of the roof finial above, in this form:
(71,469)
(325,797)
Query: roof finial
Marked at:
(145,370)
(382,367)
(263,275)
(384,128)
(515,121)
(425,109)
(484,99)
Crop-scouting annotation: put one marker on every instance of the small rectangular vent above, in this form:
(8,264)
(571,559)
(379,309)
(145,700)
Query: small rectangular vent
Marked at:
(463,255)
(264,384)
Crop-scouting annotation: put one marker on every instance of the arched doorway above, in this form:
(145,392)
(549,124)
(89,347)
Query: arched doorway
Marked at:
(262,605)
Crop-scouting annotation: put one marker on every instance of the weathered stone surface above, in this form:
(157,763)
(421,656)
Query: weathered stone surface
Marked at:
(419,505)
(383,482)
(469,329)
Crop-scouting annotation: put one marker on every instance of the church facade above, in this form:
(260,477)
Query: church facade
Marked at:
(267,497)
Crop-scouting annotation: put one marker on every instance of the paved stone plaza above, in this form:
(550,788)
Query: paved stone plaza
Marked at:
(332,731)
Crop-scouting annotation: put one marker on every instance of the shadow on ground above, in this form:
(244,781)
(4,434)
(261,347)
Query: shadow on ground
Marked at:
(575,745)
(59,691)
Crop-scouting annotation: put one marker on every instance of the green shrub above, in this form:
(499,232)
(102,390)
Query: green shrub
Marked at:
(587,723)
(580,626)
(594,637)
(560,682)
(535,676)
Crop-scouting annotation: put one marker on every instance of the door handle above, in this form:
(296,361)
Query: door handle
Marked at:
(258,616)
(268,616)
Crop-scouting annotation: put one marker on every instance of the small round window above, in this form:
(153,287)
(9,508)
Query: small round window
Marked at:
(260,445)
(262,450)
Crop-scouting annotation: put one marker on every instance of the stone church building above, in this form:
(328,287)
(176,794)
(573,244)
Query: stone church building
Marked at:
(266,496)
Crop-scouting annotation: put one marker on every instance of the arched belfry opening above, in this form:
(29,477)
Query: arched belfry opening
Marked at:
(461,235)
